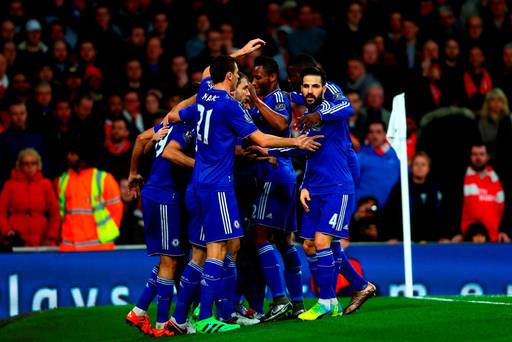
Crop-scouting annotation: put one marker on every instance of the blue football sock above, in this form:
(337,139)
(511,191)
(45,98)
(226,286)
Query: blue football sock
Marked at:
(149,292)
(325,272)
(189,284)
(210,286)
(271,269)
(356,281)
(293,273)
(313,267)
(164,289)
(336,253)
(227,289)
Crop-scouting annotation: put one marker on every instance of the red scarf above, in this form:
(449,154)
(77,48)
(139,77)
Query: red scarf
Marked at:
(118,149)
(483,88)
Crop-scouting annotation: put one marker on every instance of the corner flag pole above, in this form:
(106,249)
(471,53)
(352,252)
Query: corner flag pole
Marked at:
(397,136)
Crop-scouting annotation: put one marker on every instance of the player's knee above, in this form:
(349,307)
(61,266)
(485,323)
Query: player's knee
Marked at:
(198,256)
(167,262)
(260,236)
(234,247)
(309,247)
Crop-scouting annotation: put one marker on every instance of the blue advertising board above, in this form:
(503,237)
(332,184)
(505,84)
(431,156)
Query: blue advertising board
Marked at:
(37,281)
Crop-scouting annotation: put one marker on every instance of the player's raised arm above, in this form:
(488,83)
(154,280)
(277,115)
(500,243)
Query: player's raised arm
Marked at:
(173,115)
(134,179)
(303,142)
(174,153)
(275,119)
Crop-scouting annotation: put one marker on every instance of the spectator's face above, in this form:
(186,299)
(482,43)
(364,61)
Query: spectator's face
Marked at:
(16,9)
(133,71)
(214,41)
(507,57)
(60,51)
(20,83)
(375,98)
(161,23)
(115,104)
(119,131)
(227,32)
(446,19)
(479,158)
(305,16)
(56,32)
(102,17)
(420,167)
(73,82)
(241,93)
(18,116)
(154,49)
(179,65)
(84,108)
(46,74)
(395,22)
(10,52)
(355,70)
(376,135)
(261,81)
(498,8)
(152,105)
(273,13)
(312,90)
(356,102)
(87,52)
(29,165)
(474,28)
(496,105)
(431,50)
(452,50)
(63,112)
(370,54)
(132,103)
(203,24)
(73,160)
(479,238)
(43,95)
(476,57)
(355,14)
(34,38)
(409,30)
(8,31)
(138,37)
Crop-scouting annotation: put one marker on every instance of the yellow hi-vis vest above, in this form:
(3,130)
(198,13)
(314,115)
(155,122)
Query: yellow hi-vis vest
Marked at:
(108,230)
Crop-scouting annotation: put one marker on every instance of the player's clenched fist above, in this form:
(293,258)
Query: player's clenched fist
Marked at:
(308,143)
(304,199)
(135,184)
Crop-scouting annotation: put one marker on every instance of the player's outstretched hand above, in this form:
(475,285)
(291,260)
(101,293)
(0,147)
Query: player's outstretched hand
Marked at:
(310,120)
(257,150)
(308,143)
(252,93)
(160,134)
(304,199)
(251,46)
(134,185)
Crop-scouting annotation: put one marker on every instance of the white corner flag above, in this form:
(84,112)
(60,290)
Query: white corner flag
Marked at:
(397,137)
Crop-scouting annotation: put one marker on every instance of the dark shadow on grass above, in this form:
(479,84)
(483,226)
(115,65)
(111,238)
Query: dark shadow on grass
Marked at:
(7,321)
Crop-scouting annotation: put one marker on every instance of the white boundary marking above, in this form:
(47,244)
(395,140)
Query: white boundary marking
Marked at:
(462,301)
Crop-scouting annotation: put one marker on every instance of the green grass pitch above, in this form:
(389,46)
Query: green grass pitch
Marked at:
(381,319)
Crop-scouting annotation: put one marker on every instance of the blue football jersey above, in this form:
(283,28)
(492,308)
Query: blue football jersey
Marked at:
(220,120)
(165,178)
(284,172)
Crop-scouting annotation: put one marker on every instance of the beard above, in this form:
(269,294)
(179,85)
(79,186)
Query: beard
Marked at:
(478,168)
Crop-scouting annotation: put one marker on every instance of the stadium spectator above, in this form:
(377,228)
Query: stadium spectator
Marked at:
(4,79)
(380,168)
(476,233)
(477,80)
(17,138)
(364,225)
(132,112)
(90,203)
(495,108)
(373,109)
(306,38)
(117,150)
(504,76)
(59,59)
(197,44)
(7,31)
(357,77)
(29,210)
(452,71)
(179,77)
(152,107)
(214,48)
(153,69)
(10,53)
(136,42)
(40,109)
(357,122)
(424,202)
(483,197)
(134,77)
(32,51)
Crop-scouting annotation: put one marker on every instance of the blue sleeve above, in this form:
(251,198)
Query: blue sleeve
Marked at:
(189,113)
(279,103)
(297,98)
(206,84)
(183,134)
(340,111)
(240,121)
(333,93)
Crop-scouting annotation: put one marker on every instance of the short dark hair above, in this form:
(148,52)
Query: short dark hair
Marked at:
(313,71)
(268,64)
(220,67)
(376,122)
(242,76)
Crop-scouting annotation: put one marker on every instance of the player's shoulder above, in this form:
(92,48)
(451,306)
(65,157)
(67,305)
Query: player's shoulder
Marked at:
(333,92)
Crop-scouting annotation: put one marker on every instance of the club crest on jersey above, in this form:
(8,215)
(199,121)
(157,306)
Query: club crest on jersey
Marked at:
(338,96)
(237,224)
(175,242)
(188,136)
(280,106)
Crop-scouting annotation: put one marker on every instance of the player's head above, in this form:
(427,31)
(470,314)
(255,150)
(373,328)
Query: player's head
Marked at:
(295,67)
(241,92)
(313,86)
(224,69)
(265,75)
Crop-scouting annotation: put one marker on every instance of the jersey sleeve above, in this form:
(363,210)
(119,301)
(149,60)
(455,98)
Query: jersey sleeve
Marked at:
(333,112)
(333,93)
(206,84)
(240,121)
(297,98)
(279,103)
(287,152)
(183,134)
(188,114)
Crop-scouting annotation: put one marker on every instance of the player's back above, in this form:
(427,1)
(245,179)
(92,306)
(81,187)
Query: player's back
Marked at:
(327,170)
(220,120)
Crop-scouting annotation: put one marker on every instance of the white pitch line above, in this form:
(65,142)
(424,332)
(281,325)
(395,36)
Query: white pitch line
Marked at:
(462,301)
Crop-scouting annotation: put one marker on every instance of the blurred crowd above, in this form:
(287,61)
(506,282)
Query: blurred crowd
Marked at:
(89,76)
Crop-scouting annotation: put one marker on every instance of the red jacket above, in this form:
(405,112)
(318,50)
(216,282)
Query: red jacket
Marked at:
(30,208)
(484,201)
